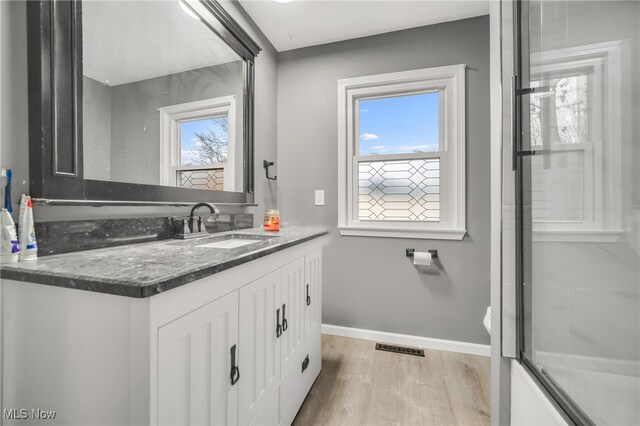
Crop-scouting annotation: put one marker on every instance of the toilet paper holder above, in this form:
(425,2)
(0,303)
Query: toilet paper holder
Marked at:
(434,253)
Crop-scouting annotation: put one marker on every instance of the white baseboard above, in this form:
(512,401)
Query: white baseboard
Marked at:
(408,340)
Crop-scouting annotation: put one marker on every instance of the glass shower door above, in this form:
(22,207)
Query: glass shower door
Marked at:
(578,194)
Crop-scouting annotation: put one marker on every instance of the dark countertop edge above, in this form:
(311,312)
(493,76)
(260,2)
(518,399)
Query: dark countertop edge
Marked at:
(116,289)
(151,289)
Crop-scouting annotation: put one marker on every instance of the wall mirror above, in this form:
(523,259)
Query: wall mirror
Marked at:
(140,101)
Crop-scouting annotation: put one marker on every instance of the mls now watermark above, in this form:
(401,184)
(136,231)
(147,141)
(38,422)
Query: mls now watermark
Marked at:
(23,413)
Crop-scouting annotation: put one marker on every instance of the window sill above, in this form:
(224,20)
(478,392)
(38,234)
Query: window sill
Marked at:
(428,234)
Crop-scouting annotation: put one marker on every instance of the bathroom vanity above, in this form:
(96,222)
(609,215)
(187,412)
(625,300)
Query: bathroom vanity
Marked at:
(223,329)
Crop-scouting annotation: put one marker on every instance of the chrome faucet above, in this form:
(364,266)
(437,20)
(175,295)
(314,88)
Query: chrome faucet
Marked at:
(212,208)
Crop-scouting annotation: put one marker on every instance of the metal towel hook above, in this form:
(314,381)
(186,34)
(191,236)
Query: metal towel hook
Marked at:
(266,164)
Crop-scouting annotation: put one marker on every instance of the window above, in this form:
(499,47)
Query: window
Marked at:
(401,154)
(197,144)
(561,182)
(576,185)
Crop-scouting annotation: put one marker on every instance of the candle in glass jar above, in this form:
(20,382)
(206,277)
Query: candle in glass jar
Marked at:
(272,220)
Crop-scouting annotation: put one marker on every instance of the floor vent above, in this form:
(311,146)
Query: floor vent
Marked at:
(399,349)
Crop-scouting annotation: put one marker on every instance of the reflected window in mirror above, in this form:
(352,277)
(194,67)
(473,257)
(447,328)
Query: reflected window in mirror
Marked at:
(199,139)
(158,88)
(203,153)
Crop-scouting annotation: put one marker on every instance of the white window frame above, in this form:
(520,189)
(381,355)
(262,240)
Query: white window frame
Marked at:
(170,142)
(602,209)
(449,81)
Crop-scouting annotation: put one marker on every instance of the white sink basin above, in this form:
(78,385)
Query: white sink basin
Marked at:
(227,244)
(229,241)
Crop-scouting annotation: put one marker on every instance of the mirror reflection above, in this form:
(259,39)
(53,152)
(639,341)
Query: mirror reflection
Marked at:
(162,97)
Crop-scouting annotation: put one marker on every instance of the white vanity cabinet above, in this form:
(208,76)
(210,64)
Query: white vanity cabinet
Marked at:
(267,338)
(241,346)
(259,344)
(313,293)
(292,305)
(305,361)
(196,355)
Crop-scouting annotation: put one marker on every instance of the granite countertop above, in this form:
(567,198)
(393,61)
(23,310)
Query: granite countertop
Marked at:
(145,269)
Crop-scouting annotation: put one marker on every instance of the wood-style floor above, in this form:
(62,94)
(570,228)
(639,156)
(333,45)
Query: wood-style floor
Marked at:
(359,385)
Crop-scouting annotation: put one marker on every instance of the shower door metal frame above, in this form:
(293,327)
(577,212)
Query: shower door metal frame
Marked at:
(521,164)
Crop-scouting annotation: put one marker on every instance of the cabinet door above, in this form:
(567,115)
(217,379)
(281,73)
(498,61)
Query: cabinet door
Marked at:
(292,300)
(260,314)
(270,413)
(195,363)
(297,382)
(313,292)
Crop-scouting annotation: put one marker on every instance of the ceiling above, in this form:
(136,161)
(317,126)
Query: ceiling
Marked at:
(304,23)
(127,41)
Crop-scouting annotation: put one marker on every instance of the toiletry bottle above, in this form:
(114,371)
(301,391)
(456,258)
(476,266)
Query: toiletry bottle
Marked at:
(27,231)
(6,174)
(9,247)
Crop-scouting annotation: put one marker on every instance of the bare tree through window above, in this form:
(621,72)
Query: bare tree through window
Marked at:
(210,144)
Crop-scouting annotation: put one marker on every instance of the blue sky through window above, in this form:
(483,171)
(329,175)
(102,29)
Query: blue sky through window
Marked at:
(398,125)
(190,154)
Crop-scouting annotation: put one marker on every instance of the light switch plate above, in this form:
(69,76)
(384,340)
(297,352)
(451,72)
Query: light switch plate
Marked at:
(319,197)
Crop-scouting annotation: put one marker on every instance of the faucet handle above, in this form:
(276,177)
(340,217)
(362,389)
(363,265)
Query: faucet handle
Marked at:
(201,226)
(185,227)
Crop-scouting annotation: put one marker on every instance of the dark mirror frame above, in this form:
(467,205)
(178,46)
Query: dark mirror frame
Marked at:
(56,170)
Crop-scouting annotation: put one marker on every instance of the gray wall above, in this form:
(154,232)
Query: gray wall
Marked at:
(369,283)
(14,142)
(14,145)
(96,129)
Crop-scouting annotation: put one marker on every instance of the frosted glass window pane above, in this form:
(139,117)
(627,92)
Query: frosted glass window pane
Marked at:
(399,124)
(406,190)
(201,179)
(557,192)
